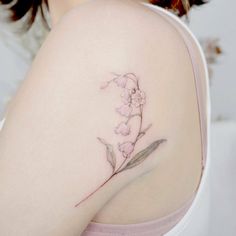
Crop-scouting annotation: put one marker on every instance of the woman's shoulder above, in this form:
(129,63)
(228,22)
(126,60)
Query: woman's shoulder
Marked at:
(118,22)
(114,36)
(101,41)
(124,37)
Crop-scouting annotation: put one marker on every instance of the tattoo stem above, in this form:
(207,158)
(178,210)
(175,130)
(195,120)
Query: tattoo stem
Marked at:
(115,173)
(95,190)
(140,124)
(120,166)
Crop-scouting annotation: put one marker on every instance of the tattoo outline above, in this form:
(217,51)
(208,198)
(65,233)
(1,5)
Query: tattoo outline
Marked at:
(133,101)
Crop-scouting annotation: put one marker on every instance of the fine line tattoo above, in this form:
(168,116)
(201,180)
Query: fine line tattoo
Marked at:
(133,101)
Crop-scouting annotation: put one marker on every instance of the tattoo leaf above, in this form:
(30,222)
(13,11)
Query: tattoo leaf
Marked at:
(111,157)
(142,155)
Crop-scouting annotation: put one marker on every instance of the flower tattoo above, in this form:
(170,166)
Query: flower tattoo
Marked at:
(133,99)
(123,128)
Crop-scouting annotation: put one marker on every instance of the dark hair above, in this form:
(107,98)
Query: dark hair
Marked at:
(30,8)
(181,7)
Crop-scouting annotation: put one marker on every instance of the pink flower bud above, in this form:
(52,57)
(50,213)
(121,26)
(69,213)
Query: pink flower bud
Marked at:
(123,129)
(126,148)
(124,110)
(121,81)
(138,98)
(126,96)
(104,85)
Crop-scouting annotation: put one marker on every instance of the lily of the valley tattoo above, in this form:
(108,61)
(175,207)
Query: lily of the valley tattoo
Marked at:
(133,100)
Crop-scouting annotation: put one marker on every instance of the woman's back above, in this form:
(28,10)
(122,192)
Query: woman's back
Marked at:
(88,47)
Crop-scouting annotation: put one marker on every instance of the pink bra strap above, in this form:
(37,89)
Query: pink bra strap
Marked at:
(150,228)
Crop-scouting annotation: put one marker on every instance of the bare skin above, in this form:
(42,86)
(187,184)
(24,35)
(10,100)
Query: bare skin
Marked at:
(50,156)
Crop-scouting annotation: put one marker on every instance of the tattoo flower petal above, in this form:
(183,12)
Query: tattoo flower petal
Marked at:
(138,98)
(123,129)
(126,148)
(104,85)
(124,110)
(121,81)
(126,96)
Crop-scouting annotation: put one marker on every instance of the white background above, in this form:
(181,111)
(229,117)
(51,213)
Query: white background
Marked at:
(218,19)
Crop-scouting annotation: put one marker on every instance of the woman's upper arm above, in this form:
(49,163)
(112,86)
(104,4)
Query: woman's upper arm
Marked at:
(51,157)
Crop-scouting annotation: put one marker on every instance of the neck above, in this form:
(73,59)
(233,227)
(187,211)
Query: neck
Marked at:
(59,8)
